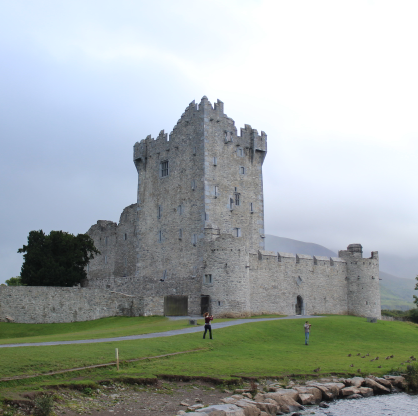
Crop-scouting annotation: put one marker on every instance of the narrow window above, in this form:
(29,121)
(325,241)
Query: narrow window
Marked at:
(206,216)
(237,232)
(215,161)
(160,211)
(180,209)
(216,191)
(207,279)
(164,168)
(237,195)
(194,150)
(194,271)
(125,236)
(106,240)
(219,303)
(240,152)
(251,207)
(231,204)
(160,236)
(193,184)
(242,170)
(194,239)
(164,276)
(180,234)
(105,259)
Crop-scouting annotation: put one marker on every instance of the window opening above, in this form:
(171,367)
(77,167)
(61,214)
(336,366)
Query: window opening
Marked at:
(125,236)
(206,216)
(106,240)
(164,168)
(231,204)
(216,191)
(237,232)
(160,210)
(237,195)
(207,279)
(194,239)
(180,209)
(251,207)
(242,170)
(215,161)
(180,234)
(240,152)
(164,276)
(105,259)
(193,184)
(160,236)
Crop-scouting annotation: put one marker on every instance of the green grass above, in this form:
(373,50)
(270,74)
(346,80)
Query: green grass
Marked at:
(11,333)
(270,348)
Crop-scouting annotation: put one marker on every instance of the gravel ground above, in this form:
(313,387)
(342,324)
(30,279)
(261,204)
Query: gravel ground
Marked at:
(167,398)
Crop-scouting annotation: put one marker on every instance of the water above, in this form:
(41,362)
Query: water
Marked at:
(391,405)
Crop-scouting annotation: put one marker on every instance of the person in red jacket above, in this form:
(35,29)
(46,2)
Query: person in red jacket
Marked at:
(208,327)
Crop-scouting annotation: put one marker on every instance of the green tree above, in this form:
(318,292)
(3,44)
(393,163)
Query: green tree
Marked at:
(14,281)
(57,259)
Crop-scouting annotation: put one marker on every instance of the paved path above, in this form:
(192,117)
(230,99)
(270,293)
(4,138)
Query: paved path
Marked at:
(189,330)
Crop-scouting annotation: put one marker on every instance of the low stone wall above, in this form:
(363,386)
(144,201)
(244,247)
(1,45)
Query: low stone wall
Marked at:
(40,304)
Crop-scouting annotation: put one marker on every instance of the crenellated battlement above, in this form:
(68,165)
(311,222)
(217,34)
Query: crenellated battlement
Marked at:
(190,127)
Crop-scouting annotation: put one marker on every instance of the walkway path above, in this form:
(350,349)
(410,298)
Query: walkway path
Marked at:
(189,330)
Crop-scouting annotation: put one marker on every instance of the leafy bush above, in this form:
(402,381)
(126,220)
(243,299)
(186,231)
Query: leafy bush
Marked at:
(412,377)
(413,315)
(44,405)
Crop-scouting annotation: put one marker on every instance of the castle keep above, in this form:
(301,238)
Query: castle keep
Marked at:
(194,240)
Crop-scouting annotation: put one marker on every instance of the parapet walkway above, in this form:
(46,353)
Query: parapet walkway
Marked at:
(189,330)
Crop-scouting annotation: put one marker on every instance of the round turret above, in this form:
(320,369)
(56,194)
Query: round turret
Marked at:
(355,248)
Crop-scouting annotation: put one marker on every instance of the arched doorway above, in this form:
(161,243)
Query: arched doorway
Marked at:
(299,305)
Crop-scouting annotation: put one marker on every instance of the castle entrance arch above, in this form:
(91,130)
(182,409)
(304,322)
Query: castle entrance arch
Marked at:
(204,304)
(299,305)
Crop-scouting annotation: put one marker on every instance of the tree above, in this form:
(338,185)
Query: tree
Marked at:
(416,297)
(57,259)
(14,281)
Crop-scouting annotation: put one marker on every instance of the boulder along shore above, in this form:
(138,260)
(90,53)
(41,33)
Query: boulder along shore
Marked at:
(270,398)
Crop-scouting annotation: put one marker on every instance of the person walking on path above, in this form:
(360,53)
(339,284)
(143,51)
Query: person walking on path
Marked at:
(307,327)
(208,327)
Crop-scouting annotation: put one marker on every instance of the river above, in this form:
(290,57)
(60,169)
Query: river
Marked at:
(400,404)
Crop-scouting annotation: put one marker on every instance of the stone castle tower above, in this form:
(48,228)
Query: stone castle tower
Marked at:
(194,241)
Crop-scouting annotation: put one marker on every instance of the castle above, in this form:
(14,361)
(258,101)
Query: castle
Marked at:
(194,240)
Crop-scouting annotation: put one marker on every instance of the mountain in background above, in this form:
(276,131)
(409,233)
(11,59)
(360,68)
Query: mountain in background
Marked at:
(395,292)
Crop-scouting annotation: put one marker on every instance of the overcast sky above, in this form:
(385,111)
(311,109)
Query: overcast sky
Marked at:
(334,84)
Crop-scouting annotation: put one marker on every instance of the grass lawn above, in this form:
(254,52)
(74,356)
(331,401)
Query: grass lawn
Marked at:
(273,348)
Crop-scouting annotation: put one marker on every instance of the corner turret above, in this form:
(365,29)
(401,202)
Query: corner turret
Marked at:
(363,282)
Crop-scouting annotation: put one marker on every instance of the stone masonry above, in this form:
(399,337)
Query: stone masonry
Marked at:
(197,232)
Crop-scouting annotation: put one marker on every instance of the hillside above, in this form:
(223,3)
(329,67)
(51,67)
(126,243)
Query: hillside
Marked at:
(395,292)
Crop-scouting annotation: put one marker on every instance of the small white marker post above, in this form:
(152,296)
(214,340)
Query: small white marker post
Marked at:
(117,359)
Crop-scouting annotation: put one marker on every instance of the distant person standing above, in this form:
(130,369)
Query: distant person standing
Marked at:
(208,326)
(307,327)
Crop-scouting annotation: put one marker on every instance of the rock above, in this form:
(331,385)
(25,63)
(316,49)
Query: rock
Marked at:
(366,391)
(269,408)
(355,396)
(241,391)
(221,410)
(324,405)
(195,407)
(335,388)
(280,393)
(228,400)
(356,381)
(377,388)
(286,404)
(384,382)
(305,398)
(9,318)
(397,381)
(326,394)
(249,407)
(310,390)
(349,391)
(247,395)
(237,396)
(184,404)
(259,397)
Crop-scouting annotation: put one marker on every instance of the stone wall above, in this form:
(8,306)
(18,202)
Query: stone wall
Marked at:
(39,304)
